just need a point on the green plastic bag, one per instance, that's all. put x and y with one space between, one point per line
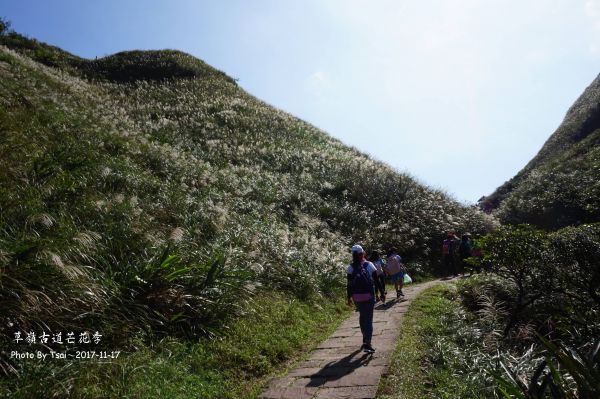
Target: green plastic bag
407 279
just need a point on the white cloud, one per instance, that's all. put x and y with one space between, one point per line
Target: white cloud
318 84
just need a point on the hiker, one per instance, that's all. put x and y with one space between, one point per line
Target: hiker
379 263
448 247
362 281
465 249
395 269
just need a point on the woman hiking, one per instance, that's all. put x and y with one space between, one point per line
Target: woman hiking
448 247
362 281
396 270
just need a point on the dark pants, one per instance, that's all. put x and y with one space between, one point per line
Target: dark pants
365 319
449 264
382 283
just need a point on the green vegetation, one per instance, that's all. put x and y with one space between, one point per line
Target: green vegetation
560 186
561 192
565 373
233 366
527 328
129 66
551 281
202 232
433 358
144 195
548 308
553 288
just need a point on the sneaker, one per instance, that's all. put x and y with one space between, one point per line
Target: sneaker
398 294
383 299
401 293
367 348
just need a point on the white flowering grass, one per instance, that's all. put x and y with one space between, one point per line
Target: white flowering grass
154 183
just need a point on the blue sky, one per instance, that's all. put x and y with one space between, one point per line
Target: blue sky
461 94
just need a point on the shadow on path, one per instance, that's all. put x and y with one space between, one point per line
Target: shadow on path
390 303
340 368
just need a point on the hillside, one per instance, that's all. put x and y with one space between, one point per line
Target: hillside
560 186
145 195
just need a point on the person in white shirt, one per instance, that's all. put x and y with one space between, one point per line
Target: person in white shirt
362 281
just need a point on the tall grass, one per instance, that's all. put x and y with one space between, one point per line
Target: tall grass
145 196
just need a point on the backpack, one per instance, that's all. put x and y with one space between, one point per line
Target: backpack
362 283
394 265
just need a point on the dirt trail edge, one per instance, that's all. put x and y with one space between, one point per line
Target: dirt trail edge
337 368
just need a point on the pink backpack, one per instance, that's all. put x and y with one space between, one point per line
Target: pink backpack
394 265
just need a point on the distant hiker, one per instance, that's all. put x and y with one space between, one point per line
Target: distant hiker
379 263
362 281
395 269
448 249
465 250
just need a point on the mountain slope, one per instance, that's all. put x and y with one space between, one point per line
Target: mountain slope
146 195
560 186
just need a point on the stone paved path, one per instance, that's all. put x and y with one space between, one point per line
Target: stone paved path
337 369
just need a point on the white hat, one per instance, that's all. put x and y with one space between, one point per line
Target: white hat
357 249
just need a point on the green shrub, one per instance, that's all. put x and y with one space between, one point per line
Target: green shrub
521 257
4 26
564 374
542 284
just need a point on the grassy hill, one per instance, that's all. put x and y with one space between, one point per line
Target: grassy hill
547 278
146 196
560 186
